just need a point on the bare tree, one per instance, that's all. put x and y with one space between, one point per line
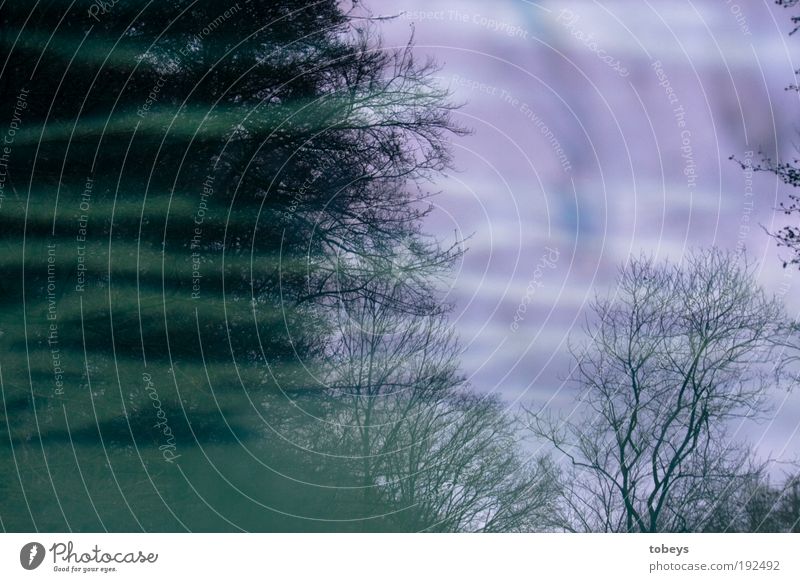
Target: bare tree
461 468
759 504
788 236
675 355
426 453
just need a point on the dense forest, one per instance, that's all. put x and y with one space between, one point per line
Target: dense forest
220 310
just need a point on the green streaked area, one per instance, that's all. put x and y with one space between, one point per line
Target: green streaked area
266 121
218 307
85 51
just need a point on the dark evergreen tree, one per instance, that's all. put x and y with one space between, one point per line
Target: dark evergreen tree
185 186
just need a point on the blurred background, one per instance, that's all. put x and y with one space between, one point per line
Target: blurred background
602 130
219 303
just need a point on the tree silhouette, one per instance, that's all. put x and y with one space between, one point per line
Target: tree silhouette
757 504
426 454
787 237
676 354
188 186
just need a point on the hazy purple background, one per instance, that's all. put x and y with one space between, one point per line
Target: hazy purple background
623 190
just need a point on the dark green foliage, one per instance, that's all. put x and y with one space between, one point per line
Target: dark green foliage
181 179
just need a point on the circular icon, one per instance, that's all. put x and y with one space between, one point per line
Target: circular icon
31 555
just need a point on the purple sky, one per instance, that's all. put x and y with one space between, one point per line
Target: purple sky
580 110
